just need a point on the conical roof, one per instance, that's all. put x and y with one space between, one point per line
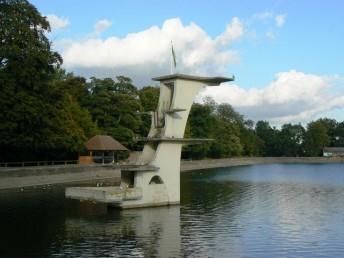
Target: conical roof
104 143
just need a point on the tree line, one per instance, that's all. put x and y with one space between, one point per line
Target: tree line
236 136
47 113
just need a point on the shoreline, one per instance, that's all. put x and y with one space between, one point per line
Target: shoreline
19 178
191 165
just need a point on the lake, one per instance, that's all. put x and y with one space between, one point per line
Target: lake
278 210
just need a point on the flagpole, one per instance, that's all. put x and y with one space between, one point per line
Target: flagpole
171 58
171 63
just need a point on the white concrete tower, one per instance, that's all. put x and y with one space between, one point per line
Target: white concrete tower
162 150
165 140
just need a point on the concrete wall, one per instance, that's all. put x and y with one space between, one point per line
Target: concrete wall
53 169
90 175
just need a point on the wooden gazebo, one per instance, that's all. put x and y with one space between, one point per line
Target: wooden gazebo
102 148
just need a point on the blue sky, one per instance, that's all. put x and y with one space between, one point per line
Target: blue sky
287 56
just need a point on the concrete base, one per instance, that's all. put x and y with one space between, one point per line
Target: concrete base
111 195
122 198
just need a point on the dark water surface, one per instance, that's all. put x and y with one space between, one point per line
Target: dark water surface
249 211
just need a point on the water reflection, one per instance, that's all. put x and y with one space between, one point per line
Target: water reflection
266 211
149 232
252 211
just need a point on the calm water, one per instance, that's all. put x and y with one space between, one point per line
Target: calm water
250 211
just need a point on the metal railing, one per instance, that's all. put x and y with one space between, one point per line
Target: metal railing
38 163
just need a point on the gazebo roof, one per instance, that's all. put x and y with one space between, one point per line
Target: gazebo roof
104 143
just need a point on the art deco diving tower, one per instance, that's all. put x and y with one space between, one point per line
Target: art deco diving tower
162 149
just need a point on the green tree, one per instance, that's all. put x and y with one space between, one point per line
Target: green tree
252 145
27 65
115 107
200 124
226 113
291 139
41 114
339 135
149 97
219 122
331 128
226 132
269 136
316 138
227 141
75 86
124 85
76 120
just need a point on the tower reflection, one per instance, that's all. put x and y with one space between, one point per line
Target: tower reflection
144 232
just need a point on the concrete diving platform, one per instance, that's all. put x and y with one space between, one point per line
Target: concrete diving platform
109 195
122 197
162 149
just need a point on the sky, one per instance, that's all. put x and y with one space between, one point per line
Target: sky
287 56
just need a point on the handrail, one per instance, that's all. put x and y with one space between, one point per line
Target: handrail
38 163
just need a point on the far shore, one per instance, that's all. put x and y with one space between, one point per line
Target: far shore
190 165
98 175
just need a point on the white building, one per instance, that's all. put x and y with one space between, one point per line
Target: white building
333 152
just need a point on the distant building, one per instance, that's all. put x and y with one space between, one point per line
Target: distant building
333 152
102 149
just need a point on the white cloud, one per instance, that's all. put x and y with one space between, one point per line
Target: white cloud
101 26
150 50
293 97
56 22
233 32
263 16
270 16
280 20
267 23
